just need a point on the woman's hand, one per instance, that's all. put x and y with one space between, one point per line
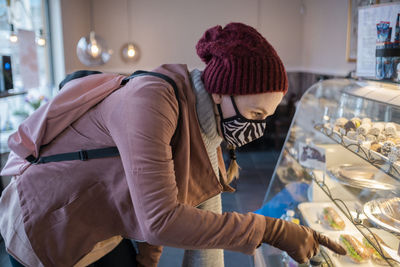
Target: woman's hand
300 242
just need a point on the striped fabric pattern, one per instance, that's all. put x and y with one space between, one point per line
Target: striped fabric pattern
239 133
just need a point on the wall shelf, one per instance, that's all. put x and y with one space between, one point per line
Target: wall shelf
7 94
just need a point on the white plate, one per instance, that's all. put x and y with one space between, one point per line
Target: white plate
380 181
312 213
339 260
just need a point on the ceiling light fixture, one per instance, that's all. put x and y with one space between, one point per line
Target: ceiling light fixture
41 40
129 51
92 50
13 35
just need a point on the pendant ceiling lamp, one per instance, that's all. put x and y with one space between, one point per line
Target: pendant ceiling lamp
13 35
129 51
92 50
41 40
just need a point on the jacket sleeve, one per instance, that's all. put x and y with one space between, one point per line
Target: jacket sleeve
148 255
142 127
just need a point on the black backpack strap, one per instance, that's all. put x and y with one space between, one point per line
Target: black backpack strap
78 155
76 75
101 152
156 74
162 76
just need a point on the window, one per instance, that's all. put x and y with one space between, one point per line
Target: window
31 80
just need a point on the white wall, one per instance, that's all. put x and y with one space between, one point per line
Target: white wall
75 24
324 37
167 31
282 24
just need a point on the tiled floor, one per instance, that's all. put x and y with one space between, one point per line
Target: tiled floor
256 170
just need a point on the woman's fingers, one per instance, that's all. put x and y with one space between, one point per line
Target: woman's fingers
329 243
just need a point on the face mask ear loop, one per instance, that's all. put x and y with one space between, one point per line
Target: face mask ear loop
238 113
221 123
235 107
220 111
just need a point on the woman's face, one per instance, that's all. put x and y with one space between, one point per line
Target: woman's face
253 107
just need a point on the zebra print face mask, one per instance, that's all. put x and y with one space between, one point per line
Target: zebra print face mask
238 130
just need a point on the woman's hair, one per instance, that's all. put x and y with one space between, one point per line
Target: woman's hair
233 169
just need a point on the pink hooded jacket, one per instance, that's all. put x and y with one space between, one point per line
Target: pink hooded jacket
148 193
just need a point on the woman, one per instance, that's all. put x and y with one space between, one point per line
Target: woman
170 163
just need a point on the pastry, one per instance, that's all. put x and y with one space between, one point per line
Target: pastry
376 147
395 140
376 128
333 219
370 137
366 121
349 126
340 122
387 147
356 121
352 135
390 130
360 138
364 129
381 138
355 249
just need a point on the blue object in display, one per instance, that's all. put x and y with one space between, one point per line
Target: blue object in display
292 195
7 66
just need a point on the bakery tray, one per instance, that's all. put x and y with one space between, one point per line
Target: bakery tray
376 159
311 213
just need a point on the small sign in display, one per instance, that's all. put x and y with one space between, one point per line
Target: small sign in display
311 156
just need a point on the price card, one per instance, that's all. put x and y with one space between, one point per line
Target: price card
311 156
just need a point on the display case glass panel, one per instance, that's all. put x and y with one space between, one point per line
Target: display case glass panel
339 171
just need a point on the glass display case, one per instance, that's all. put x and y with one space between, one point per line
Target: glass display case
348 133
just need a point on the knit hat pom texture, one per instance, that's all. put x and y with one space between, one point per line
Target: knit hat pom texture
240 61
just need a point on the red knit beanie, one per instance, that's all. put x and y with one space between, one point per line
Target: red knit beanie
240 61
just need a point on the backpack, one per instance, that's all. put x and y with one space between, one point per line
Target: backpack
80 91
